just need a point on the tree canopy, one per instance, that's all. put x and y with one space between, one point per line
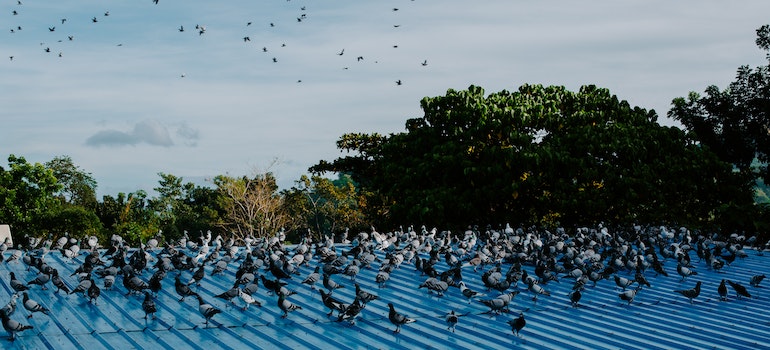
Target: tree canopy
539 155
734 123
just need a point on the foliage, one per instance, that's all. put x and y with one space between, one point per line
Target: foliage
735 122
184 207
541 155
77 221
26 193
252 205
128 215
78 186
326 205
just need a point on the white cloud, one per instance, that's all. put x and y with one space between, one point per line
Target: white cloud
148 131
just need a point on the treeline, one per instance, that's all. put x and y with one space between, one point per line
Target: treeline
59 198
540 155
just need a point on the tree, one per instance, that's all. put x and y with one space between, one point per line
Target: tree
128 215
184 206
326 205
78 186
252 205
541 155
26 193
735 122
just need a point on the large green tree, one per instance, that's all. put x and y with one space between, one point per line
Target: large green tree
184 206
539 155
26 195
78 186
325 205
735 122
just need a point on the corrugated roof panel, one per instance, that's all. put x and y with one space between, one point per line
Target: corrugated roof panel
657 319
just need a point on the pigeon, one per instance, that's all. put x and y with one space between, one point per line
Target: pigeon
684 271
230 293
332 303
17 285
536 289
93 293
517 324
623 282
12 326
364 296
33 306
756 280
248 299
273 286
451 320
134 283
182 289
434 285
351 312
574 297
467 292
207 310
41 280
739 289
148 306
628 295
82 286
197 276
330 284
381 278
10 308
313 277
496 305
690 293
286 306
398 319
722 290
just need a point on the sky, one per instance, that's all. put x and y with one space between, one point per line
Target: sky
130 96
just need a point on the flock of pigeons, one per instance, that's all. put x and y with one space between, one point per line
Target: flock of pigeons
444 260
61 25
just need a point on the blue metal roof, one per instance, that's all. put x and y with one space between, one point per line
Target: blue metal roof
657 319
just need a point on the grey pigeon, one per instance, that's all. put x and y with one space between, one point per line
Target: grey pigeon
397 318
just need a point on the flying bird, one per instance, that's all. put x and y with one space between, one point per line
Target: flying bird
397 318
424 63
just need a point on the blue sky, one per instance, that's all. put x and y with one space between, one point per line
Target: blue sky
132 96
